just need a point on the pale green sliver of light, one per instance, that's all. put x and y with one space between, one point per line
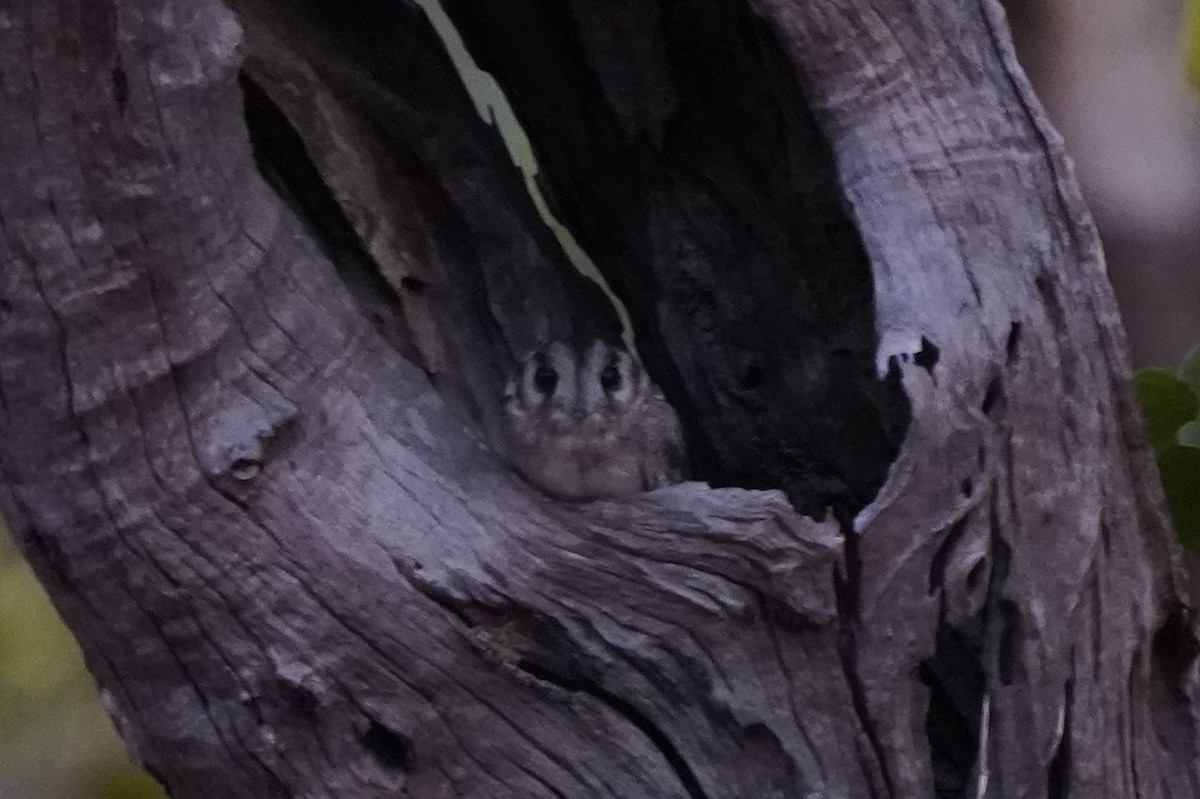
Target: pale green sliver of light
492 105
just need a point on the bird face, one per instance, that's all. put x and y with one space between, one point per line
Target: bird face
572 388
585 422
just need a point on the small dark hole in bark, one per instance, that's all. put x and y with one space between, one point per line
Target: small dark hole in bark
1042 281
245 469
967 487
1014 338
120 84
928 356
389 748
414 284
1054 309
993 394
299 700
1174 646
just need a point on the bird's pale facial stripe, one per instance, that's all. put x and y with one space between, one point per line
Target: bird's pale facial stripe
610 376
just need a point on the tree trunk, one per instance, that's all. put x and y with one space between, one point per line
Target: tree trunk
247 432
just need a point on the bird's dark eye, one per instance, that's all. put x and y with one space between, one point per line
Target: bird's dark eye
610 378
545 379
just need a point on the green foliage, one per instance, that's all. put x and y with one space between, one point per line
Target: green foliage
1191 42
1180 467
1171 403
126 782
55 740
1168 402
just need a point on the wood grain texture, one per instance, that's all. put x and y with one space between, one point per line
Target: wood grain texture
244 442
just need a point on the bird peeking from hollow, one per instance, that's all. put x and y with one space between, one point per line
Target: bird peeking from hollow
584 422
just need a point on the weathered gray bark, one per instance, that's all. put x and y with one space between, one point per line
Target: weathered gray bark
254 474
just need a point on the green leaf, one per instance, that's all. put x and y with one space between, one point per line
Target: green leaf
1189 368
1180 467
1189 434
1168 402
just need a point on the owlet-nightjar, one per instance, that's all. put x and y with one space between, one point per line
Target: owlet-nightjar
585 422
